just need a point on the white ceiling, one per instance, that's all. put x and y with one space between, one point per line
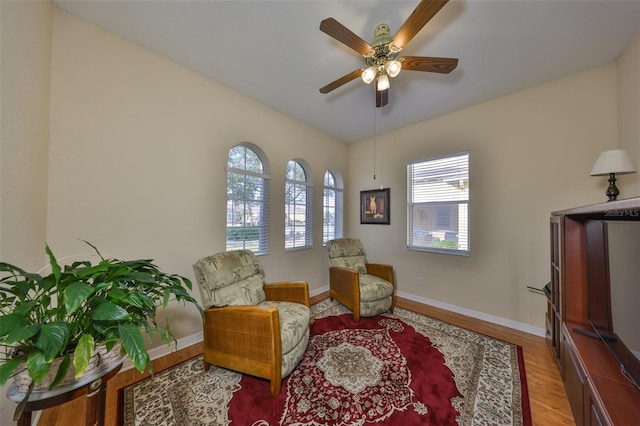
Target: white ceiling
274 52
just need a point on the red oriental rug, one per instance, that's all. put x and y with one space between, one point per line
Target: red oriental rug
394 369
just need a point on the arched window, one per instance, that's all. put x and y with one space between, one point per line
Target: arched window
298 206
332 207
247 199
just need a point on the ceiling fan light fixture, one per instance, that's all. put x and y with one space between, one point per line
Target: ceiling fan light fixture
393 68
382 82
369 74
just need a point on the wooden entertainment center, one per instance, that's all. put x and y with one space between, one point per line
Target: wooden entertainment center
598 392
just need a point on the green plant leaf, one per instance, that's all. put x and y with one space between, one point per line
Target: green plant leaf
7 368
133 299
21 334
118 294
55 268
93 271
84 350
107 311
53 339
148 301
25 307
75 294
37 365
10 322
166 296
63 368
141 277
133 344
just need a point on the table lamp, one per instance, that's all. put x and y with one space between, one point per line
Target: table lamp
610 163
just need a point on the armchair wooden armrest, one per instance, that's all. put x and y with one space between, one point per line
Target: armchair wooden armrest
288 291
241 338
381 271
344 286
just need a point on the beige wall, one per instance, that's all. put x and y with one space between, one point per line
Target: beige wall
24 138
138 154
530 153
25 67
629 113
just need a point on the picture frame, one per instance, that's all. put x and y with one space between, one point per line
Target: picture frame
374 207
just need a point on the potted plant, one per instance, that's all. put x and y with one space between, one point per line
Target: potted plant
63 316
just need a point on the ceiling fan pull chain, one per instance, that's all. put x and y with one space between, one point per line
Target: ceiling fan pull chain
374 142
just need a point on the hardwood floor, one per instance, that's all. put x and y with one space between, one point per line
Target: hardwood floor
547 397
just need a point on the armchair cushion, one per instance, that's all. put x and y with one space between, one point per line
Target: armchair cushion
374 288
294 321
230 278
347 253
294 332
375 307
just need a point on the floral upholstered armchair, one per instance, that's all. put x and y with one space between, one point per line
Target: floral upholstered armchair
251 327
367 289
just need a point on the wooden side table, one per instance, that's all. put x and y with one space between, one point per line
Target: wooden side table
93 386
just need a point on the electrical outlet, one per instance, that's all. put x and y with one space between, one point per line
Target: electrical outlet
420 281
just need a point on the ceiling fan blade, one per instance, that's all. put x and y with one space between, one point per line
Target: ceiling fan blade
418 19
344 35
429 64
342 80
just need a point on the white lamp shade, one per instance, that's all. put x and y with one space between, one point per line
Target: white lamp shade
382 83
613 161
369 74
393 68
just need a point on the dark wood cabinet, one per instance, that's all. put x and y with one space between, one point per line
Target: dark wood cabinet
554 296
598 392
574 379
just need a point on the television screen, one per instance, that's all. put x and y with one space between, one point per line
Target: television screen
613 251
624 276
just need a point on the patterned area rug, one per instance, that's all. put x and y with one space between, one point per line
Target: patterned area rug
395 369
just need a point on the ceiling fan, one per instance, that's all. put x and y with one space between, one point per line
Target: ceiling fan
382 55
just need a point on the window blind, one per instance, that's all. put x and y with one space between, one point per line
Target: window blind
298 195
247 200
332 207
438 204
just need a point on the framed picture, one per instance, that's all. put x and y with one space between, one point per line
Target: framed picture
374 207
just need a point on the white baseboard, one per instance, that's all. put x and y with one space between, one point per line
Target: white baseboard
526 328
160 351
520 326
318 291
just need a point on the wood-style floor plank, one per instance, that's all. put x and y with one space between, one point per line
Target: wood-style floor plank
547 397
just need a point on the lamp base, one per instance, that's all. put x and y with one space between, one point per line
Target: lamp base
612 191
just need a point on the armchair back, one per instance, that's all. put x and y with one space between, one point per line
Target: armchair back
347 253
230 278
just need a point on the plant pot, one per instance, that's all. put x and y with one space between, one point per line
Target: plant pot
99 360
